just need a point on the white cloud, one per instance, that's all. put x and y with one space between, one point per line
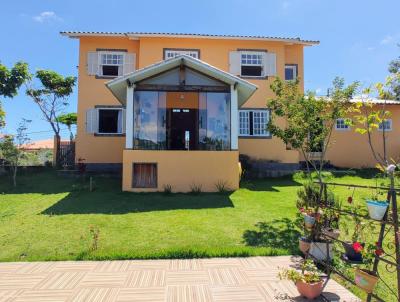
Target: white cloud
387 40
46 16
370 48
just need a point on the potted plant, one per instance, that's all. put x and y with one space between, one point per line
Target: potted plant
364 277
377 208
308 281
355 246
304 245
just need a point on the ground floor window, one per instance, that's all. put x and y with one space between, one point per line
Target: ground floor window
342 124
254 122
110 121
386 125
144 175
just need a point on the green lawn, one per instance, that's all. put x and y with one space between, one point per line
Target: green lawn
49 218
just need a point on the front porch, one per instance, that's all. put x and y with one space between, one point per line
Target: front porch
181 126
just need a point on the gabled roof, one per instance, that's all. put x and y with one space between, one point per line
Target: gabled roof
118 86
137 35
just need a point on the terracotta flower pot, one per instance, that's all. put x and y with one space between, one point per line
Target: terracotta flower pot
310 290
331 233
365 279
304 245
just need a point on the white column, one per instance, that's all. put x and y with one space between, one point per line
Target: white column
129 117
234 118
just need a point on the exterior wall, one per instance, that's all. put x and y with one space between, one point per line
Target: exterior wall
182 169
350 149
92 92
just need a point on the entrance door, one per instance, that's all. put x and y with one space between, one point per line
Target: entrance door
183 132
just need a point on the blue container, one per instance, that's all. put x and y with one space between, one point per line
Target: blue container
377 209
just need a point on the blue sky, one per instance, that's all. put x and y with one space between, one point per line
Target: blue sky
358 38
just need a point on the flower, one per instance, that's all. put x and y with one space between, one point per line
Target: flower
379 252
350 199
301 210
357 247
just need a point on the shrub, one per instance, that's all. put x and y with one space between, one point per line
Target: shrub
195 189
222 186
167 189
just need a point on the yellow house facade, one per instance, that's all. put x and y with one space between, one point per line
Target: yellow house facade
176 110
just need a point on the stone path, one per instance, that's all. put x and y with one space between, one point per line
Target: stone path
217 279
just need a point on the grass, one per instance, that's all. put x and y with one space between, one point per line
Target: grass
49 218
53 218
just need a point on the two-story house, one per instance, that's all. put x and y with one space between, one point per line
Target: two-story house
177 109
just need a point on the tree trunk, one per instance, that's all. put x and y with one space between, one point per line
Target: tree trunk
56 150
15 176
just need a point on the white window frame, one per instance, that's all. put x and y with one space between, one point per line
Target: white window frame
172 53
345 126
111 53
98 120
264 132
260 63
244 119
389 121
294 68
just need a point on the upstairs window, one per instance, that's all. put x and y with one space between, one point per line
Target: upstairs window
252 63
342 124
386 125
172 53
290 72
111 64
253 123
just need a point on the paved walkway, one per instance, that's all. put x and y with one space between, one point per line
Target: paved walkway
218 279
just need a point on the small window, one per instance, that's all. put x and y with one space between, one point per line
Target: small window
253 123
290 72
111 64
110 121
252 64
144 175
172 53
342 124
385 125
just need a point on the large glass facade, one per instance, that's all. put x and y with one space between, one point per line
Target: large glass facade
214 121
154 119
149 120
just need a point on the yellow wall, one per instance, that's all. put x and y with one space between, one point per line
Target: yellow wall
92 92
182 169
150 50
351 149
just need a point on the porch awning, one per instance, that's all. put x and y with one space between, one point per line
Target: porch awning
118 86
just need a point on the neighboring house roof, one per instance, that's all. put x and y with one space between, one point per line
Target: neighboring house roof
118 85
361 99
37 145
137 35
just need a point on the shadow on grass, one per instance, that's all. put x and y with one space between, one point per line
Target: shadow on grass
268 184
279 233
362 173
105 202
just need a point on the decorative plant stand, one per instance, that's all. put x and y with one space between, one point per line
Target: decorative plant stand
388 225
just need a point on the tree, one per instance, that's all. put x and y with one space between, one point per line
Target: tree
394 69
368 117
68 119
52 99
10 81
11 148
308 120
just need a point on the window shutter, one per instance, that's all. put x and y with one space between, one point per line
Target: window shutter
129 63
92 124
92 63
270 64
234 62
124 120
